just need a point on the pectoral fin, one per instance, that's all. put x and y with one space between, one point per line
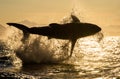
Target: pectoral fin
72 46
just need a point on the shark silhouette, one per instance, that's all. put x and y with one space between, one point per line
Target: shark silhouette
69 31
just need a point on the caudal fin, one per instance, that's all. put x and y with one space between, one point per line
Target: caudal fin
24 28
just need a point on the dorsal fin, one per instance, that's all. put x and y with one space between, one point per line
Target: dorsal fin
75 19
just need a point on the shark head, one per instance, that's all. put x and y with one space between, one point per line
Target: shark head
95 29
90 29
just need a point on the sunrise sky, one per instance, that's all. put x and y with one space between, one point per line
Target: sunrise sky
101 12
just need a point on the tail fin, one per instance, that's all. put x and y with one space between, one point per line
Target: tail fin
25 30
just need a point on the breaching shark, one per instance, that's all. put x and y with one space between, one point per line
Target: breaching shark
68 31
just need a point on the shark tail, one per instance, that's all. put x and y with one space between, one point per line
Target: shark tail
24 28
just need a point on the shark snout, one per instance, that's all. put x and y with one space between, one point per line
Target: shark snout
99 29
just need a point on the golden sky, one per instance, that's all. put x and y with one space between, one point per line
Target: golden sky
101 12
16 10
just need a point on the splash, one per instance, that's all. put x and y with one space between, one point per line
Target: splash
40 49
8 59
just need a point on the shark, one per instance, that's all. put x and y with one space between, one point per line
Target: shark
68 31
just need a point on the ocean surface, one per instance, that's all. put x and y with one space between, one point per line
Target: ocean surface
43 58
94 57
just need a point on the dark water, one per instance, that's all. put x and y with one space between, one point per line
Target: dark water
43 58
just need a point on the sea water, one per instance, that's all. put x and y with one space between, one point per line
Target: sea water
43 58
